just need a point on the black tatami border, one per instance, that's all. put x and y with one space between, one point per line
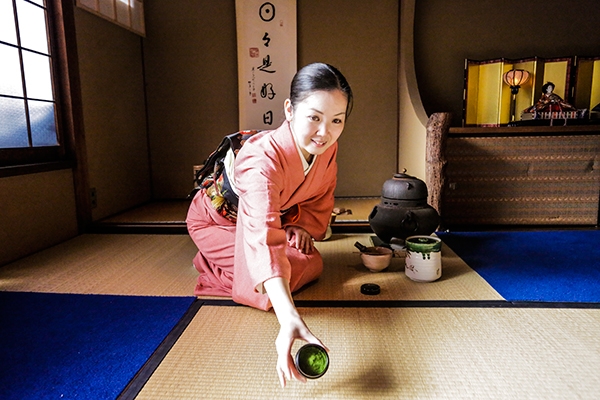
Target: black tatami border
422 304
139 380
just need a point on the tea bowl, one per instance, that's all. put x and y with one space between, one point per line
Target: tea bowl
376 258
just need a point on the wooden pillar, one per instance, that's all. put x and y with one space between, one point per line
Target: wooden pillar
437 132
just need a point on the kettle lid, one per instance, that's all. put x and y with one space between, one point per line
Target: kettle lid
404 187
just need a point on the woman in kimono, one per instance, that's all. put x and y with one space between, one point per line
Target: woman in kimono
285 180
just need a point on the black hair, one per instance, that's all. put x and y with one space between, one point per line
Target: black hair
547 85
319 76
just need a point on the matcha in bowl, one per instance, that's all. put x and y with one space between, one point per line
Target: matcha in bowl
312 361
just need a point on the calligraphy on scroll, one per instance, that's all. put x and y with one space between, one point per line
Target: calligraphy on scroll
266 44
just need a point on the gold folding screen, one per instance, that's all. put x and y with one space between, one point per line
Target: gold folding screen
487 99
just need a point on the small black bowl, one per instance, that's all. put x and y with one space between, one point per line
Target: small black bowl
312 361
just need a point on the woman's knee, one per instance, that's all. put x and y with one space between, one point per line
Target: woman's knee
305 268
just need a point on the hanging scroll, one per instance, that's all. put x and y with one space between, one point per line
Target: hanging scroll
266 45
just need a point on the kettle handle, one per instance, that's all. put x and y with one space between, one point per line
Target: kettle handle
409 219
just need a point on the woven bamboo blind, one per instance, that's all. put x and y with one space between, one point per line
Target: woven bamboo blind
522 180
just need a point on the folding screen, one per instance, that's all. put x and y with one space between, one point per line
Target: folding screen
487 99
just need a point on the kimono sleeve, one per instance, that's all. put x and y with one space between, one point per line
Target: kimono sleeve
260 183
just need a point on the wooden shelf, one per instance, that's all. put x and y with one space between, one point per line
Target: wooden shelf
526 130
527 175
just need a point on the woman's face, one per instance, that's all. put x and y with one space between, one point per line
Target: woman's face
318 121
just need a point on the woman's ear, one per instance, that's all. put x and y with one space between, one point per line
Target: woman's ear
288 109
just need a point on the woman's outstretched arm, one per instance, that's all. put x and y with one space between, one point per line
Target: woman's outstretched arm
292 327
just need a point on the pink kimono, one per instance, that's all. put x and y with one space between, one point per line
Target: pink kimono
235 259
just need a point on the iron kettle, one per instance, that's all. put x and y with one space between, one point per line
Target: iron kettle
403 210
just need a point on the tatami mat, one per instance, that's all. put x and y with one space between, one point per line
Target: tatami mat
344 273
145 265
175 211
361 207
377 353
400 353
161 265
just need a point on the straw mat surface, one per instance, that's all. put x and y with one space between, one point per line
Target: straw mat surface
175 211
161 265
381 353
344 273
144 265
361 208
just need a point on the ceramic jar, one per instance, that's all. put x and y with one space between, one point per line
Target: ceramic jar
423 261
403 210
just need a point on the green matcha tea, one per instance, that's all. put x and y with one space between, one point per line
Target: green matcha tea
312 361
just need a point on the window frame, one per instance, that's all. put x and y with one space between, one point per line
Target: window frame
17 161
71 153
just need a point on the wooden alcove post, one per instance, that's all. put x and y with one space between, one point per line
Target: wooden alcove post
437 129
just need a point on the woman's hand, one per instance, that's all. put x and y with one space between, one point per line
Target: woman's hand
292 327
299 238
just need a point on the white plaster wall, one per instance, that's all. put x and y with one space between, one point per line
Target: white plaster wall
412 116
36 211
